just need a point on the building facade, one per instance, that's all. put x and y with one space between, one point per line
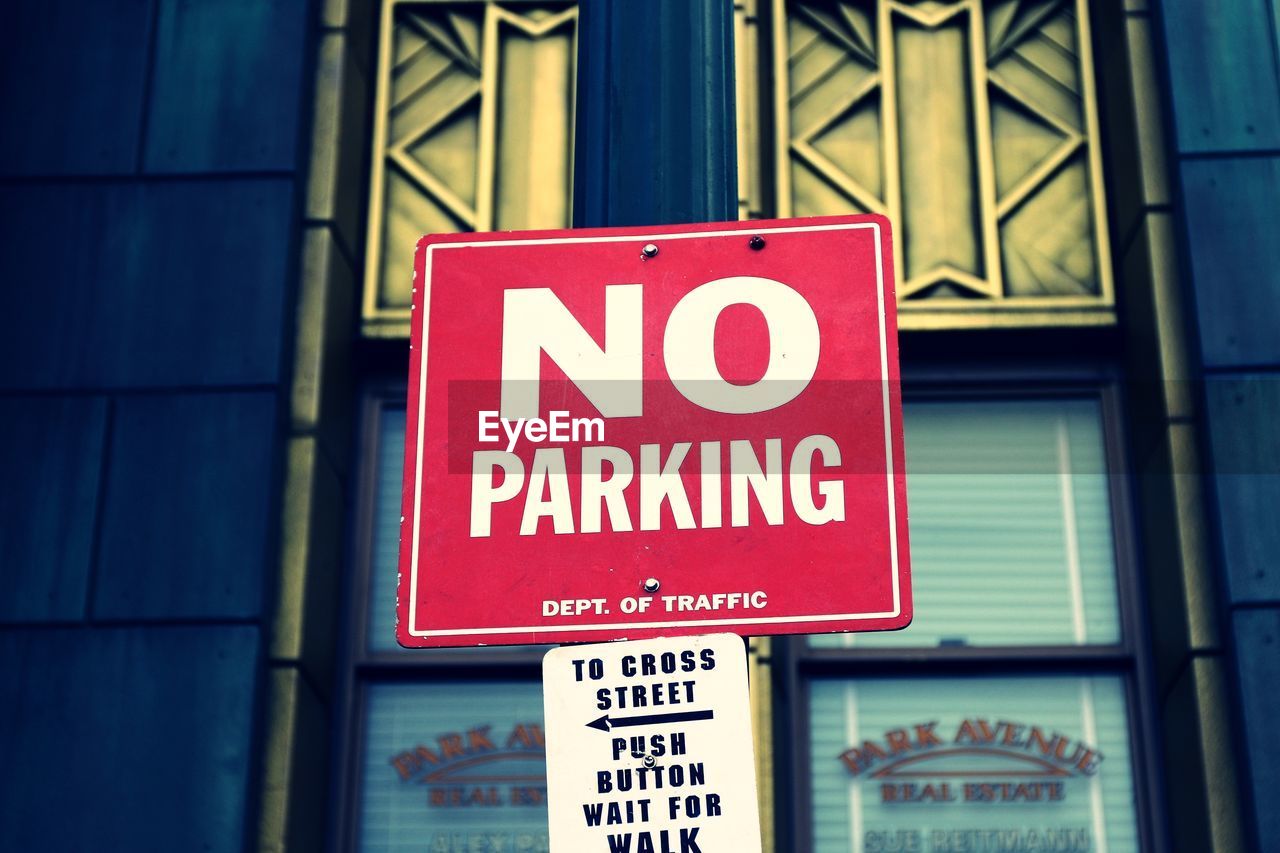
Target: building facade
202 418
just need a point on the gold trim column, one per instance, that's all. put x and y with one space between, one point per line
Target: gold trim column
1201 775
760 677
302 633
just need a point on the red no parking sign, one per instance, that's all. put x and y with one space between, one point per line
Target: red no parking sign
640 432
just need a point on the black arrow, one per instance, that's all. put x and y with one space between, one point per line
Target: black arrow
604 723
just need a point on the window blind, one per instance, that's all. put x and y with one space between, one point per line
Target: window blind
1011 534
852 814
453 768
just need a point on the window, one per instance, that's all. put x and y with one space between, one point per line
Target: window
979 764
1003 718
444 748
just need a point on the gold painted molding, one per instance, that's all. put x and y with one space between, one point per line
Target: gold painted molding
973 125
472 131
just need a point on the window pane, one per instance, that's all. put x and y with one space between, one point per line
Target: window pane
971 764
386 542
386 531
1011 537
453 767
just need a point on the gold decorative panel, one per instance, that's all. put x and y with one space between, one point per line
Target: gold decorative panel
973 125
473 131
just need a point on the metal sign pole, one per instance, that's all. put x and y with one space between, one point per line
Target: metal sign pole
655 137
655 126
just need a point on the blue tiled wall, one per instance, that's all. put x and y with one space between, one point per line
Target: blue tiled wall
133 738
1222 62
73 77
226 86
144 284
199 469
150 172
51 449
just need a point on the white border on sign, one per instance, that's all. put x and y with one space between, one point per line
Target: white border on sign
687 623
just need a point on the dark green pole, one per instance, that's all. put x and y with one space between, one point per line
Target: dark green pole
655 135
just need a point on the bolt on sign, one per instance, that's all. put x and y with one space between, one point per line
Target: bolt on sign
626 433
649 747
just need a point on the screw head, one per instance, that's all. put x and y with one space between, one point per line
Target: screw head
649 761
651 585
756 242
649 250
